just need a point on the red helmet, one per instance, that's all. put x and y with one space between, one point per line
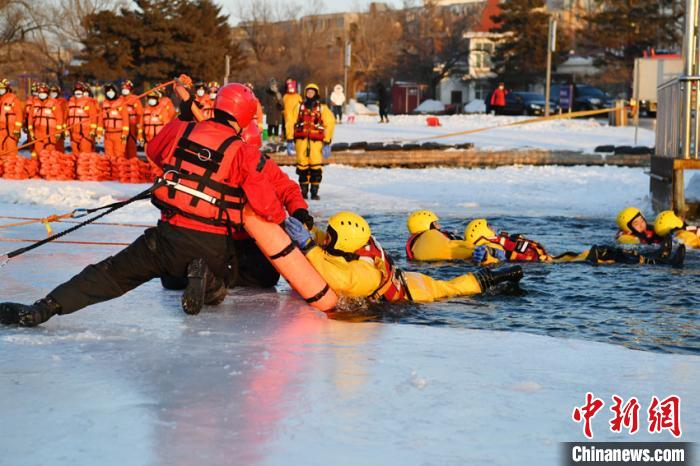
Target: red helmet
80 86
42 87
238 101
127 85
251 135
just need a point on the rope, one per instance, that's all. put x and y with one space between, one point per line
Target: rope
108 209
60 220
89 243
563 116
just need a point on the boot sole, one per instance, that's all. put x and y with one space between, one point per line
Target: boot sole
193 296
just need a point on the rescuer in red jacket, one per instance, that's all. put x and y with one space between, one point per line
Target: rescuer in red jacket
211 174
498 98
253 268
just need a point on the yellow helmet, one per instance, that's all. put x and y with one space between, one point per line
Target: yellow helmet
478 232
4 83
420 221
347 232
667 222
625 218
312 86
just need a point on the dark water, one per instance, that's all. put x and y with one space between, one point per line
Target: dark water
651 308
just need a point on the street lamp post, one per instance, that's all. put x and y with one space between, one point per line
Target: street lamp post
551 47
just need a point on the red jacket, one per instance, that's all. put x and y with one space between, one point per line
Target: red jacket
498 98
246 173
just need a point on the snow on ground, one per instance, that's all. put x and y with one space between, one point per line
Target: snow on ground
264 379
576 135
552 190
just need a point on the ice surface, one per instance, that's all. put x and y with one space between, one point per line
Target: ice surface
576 135
264 379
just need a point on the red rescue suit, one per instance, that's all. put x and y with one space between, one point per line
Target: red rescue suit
10 123
81 122
520 249
212 174
114 124
309 123
155 118
46 124
135 111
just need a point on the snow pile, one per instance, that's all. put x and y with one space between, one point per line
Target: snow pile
430 106
58 194
475 106
356 108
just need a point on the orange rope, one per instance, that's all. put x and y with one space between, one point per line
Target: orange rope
89 243
36 220
29 220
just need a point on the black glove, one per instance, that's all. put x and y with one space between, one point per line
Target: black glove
186 109
304 217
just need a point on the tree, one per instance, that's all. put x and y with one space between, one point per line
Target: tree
620 31
521 57
374 50
433 45
158 40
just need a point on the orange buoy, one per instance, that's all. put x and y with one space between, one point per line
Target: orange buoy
289 261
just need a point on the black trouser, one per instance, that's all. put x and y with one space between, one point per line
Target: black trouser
383 114
253 269
338 112
160 251
273 129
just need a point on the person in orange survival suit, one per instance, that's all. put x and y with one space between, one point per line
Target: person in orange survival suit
204 101
135 111
81 121
212 89
113 123
45 124
211 175
55 93
156 114
11 117
253 267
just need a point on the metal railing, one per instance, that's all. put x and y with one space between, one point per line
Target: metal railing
677 118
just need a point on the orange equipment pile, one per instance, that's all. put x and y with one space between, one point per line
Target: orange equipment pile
131 171
20 168
56 166
93 167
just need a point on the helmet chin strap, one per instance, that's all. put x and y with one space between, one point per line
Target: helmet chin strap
330 246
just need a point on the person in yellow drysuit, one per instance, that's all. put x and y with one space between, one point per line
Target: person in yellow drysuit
491 248
668 224
309 127
429 242
353 264
634 228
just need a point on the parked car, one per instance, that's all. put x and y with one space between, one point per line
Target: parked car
586 97
526 103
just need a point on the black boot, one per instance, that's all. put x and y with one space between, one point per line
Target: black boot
314 192
29 316
488 278
304 190
664 256
199 281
